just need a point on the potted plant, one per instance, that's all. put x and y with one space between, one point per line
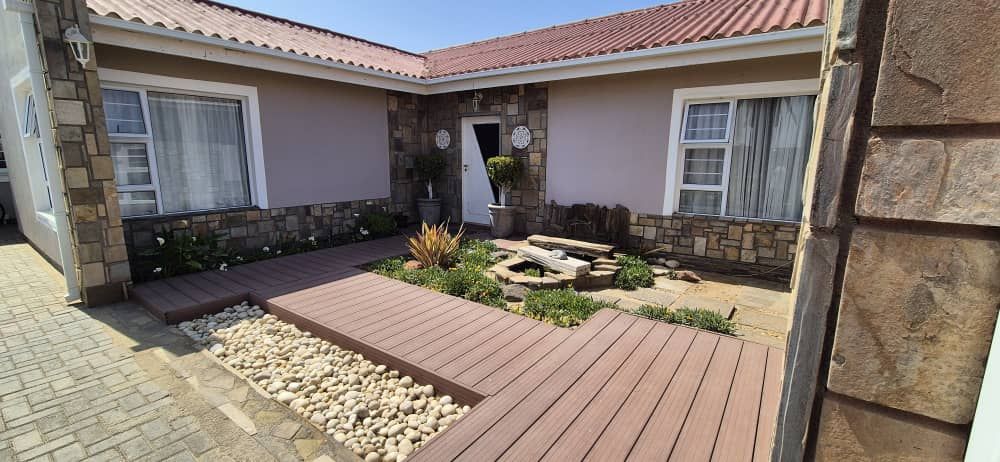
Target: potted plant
430 168
504 171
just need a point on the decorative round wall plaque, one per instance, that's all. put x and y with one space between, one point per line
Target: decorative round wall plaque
520 137
443 139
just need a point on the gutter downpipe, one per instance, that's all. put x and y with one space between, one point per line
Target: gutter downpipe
26 19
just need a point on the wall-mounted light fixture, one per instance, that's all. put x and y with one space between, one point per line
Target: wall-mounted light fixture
476 98
79 43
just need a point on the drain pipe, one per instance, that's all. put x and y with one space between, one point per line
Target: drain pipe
26 19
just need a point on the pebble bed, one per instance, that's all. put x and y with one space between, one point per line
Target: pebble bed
368 407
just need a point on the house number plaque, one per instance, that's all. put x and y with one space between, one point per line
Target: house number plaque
520 137
443 139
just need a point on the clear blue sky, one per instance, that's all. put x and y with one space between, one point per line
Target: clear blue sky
422 25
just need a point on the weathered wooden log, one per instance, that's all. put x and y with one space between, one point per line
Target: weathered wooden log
570 265
571 245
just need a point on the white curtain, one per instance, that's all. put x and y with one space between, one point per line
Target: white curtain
200 152
770 148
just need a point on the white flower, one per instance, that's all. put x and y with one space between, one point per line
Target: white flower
278 252
157 269
239 258
266 249
312 238
223 267
161 241
364 232
194 238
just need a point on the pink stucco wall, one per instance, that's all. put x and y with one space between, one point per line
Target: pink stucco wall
607 136
323 141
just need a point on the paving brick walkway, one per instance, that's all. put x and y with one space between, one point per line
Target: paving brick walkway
114 384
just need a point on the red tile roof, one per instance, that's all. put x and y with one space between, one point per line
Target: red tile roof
676 23
659 26
227 22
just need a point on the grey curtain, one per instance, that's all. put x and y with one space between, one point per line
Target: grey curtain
770 150
200 152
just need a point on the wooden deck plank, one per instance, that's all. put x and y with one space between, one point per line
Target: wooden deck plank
770 397
500 329
424 334
342 284
216 277
661 431
599 388
590 424
418 351
739 423
700 428
316 300
503 376
429 321
569 387
490 347
507 353
637 408
415 308
305 284
374 309
590 340
340 309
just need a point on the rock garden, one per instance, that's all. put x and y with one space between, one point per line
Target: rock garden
559 281
368 407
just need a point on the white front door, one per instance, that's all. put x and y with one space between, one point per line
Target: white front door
480 141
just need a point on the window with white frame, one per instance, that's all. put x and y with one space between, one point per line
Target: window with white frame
745 157
176 152
41 192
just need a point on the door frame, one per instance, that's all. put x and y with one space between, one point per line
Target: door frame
468 134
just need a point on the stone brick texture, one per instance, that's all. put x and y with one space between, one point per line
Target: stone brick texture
414 120
916 318
85 155
915 212
736 240
251 229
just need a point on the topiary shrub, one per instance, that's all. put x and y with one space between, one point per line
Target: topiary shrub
562 307
634 273
430 167
504 171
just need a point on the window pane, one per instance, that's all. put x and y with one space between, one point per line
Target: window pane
123 112
771 138
135 203
30 123
131 163
704 165
200 152
703 202
706 122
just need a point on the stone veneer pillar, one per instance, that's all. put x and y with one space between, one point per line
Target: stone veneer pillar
899 249
81 140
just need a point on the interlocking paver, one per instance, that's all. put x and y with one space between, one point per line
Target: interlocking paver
107 384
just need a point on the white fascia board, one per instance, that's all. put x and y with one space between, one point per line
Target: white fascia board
157 39
797 41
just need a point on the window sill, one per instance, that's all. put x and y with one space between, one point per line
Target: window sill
46 218
183 215
738 219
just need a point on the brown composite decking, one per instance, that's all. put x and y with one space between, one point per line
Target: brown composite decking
617 388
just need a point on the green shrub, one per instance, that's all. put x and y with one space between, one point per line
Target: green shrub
175 255
656 312
533 272
703 319
375 225
562 307
387 266
634 273
504 171
692 317
476 253
466 282
430 167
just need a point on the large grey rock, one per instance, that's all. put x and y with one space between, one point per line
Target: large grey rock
950 180
515 292
916 318
942 71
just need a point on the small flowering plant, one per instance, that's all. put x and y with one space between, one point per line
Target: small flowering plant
174 255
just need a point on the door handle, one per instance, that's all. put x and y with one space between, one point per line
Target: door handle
465 167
